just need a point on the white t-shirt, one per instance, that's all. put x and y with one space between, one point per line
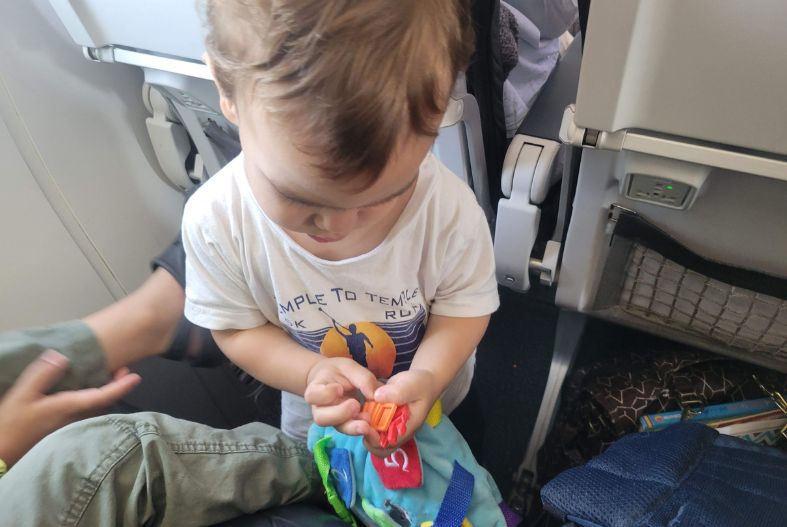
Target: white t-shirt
243 270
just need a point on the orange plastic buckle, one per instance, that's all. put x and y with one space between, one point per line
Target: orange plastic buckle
381 414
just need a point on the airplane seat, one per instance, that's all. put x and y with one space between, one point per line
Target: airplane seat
676 224
534 164
191 138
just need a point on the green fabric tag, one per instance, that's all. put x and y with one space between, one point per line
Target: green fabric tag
324 468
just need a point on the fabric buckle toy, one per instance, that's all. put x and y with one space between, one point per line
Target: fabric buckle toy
433 480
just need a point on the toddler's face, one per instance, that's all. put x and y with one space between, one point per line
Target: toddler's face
295 196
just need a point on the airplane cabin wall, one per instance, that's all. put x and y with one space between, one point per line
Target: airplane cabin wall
82 207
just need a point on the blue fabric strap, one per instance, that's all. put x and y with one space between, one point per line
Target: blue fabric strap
456 501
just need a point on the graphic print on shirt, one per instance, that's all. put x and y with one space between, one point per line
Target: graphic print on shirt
385 348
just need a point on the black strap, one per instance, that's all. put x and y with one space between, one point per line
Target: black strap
584 12
485 82
633 227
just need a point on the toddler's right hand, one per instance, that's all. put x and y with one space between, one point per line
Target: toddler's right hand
331 386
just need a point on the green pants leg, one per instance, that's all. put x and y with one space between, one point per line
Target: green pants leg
152 469
139 469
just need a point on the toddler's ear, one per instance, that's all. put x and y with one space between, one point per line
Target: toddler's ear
228 108
226 104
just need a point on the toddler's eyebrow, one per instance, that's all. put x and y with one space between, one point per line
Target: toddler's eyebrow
309 203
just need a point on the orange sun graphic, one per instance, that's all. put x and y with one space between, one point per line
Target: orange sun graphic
379 358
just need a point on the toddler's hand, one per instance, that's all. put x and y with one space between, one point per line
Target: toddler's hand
414 388
331 387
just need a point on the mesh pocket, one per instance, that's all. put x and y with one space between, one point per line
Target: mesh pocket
652 282
664 292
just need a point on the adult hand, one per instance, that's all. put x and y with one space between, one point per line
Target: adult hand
28 413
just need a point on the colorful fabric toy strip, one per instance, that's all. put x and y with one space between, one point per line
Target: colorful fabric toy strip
402 469
388 419
322 460
456 502
396 428
425 481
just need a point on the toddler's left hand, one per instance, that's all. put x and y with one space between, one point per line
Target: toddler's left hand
414 388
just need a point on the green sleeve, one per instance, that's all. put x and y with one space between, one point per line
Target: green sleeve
73 339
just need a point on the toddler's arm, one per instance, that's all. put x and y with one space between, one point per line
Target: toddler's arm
459 312
328 384
447 345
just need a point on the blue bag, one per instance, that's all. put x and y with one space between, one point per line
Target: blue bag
686 475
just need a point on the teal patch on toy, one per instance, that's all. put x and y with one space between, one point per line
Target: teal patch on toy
452 481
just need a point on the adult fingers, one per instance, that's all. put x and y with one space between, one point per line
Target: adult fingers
120 373
90 400
41 375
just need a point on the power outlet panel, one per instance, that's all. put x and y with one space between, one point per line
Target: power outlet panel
659 191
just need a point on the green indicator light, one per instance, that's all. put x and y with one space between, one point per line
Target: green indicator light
668 187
